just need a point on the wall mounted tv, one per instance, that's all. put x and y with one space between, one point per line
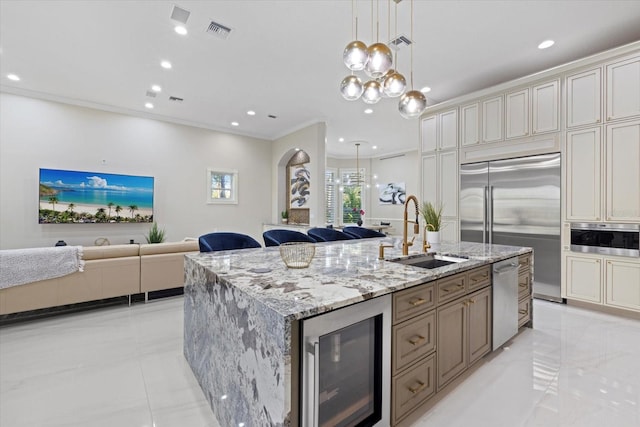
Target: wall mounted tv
76 197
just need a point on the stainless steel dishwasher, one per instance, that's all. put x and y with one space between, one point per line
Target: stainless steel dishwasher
505 301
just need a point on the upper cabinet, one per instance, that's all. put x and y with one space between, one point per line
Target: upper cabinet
492 112
544 107
623 89
440 131
470 124
583 99
517 107
622 172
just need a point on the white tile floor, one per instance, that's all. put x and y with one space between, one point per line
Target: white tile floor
123 366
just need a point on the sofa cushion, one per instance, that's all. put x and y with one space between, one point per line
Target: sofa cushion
167 248
111 251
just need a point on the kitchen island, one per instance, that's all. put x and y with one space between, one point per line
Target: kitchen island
243 311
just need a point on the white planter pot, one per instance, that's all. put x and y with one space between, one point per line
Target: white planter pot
433 237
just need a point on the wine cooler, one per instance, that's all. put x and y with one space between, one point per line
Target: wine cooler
346 366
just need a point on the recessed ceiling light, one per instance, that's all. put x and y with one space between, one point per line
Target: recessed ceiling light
545 44
375 147
235 124
425 89
148 105
13 77
368 111
165 64
180 30
156 88
340 139
251 113
297 149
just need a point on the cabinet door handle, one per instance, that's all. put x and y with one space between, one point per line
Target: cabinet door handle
598 121
454 288
417 388
472 301
416 340
523 311
523 285
417 301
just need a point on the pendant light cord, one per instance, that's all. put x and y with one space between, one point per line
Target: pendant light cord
411 44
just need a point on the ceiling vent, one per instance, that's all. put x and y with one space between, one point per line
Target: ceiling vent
151 94
271 116
400 42
175 98
179 14
218 30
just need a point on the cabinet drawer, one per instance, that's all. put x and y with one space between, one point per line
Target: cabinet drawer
451 287
524 311
479 278
413 340
524 285
411 388
413 302
524 262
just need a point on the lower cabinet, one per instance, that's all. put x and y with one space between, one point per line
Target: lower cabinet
464 334
439 329
525 291
605 280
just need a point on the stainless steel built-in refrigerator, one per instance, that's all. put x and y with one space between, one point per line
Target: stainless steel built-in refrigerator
516 202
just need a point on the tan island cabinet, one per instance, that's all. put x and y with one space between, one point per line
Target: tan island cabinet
439 329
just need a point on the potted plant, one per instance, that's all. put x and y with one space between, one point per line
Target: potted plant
156 235
285 216
433 221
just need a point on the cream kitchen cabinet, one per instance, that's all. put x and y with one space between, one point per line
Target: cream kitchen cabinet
603 177
545 107
623 172
440 131
492 114
470 124
583 175
584 98
517 114
440 181
583 275
622 284
623 89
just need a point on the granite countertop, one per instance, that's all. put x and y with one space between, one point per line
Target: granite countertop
341 273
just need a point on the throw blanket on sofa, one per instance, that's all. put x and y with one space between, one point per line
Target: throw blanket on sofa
20 266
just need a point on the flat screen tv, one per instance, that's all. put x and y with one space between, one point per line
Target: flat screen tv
77 197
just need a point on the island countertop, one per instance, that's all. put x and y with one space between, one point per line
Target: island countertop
340 274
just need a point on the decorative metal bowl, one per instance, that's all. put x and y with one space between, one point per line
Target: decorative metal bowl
297 254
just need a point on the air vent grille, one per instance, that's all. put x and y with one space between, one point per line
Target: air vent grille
179 14
400 42
175 98
271 116
218 30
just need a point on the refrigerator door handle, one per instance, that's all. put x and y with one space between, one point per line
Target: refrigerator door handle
485 216
490 216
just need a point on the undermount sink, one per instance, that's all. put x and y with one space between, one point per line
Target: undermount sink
428 260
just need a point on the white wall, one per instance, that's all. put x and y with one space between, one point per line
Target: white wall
398 168
36 133
311 139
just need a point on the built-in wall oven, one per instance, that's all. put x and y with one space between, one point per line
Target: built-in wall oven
606 239
346 366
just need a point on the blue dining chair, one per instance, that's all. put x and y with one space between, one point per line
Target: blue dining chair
224 241
277 237
327 234
362 233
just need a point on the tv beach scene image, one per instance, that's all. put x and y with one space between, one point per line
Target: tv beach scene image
78 197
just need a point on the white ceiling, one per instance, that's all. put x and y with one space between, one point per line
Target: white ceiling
285 57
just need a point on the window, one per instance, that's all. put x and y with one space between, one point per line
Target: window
330 192
352 195
222 186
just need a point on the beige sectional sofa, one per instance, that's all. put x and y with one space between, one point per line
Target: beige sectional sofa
109 271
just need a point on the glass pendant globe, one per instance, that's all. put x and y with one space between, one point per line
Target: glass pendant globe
351 88
380 60
355 55
412 104
372 92
394 85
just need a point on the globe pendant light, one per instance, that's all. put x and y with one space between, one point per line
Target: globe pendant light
351 88
412 104
355 55
394 84
372 92
380 60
